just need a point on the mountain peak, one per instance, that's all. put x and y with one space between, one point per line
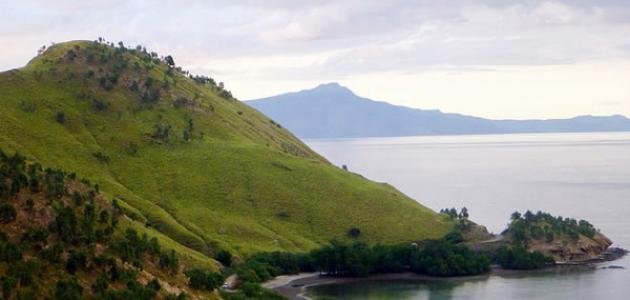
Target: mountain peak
332 88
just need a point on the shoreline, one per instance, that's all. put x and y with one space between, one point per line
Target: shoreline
294 287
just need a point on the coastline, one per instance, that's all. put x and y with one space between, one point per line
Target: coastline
294 287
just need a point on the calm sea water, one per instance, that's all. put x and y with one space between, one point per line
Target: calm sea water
585 175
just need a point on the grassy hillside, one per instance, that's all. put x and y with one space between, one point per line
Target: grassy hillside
185 158
60 239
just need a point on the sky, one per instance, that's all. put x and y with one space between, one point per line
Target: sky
488 58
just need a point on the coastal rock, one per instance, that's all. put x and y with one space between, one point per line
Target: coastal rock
615 267
582 249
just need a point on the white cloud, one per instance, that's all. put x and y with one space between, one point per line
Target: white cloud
286 43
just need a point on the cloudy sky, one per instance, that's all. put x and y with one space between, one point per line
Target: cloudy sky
490 58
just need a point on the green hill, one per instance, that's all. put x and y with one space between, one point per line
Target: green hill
186 159
60 239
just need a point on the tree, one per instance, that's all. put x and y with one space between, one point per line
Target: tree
529 216
354 232
68 290
463 214
169 61
188 131
8 284
224 257
7 213
515 216
60 117
208 280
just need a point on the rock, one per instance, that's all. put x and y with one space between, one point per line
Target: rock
614 267
581 250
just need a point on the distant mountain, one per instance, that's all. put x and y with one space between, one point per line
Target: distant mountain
333 111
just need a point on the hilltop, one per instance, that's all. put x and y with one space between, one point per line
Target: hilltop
333 111
187 160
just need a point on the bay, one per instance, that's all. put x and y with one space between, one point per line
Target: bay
578 175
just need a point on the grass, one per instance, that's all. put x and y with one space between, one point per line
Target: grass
241 183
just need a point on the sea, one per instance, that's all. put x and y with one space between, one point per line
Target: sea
577 175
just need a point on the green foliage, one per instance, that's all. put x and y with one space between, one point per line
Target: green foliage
68 290
441 258
188 131
437 258
224 257
36 237
132 247
76 260
169 261
60 117
204 280
519 258
169 61
454 237
9 252
8 284
7 213
102 157
354 232
543 226
101 284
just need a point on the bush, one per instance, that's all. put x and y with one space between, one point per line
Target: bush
35 236
519 258
168 260
540 225
442 258
68 290
204 280
224 257
76 260
9 252
354 232
7 213
60 117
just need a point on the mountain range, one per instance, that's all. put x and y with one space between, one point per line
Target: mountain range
333 111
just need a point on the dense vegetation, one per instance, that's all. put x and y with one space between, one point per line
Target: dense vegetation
189 161
436 258
543 226
519 258
60 239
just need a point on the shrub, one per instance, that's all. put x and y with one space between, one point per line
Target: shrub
519 258
76 260
9 252
168 260
224 257
204 280
7 213
354 232
68 290
60 117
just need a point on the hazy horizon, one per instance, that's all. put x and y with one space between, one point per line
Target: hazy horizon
436 109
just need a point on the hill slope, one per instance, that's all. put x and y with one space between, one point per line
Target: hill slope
60 239
186 158
333 111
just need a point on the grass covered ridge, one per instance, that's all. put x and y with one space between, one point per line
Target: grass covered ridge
188 160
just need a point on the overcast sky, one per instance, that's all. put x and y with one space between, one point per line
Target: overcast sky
497 59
